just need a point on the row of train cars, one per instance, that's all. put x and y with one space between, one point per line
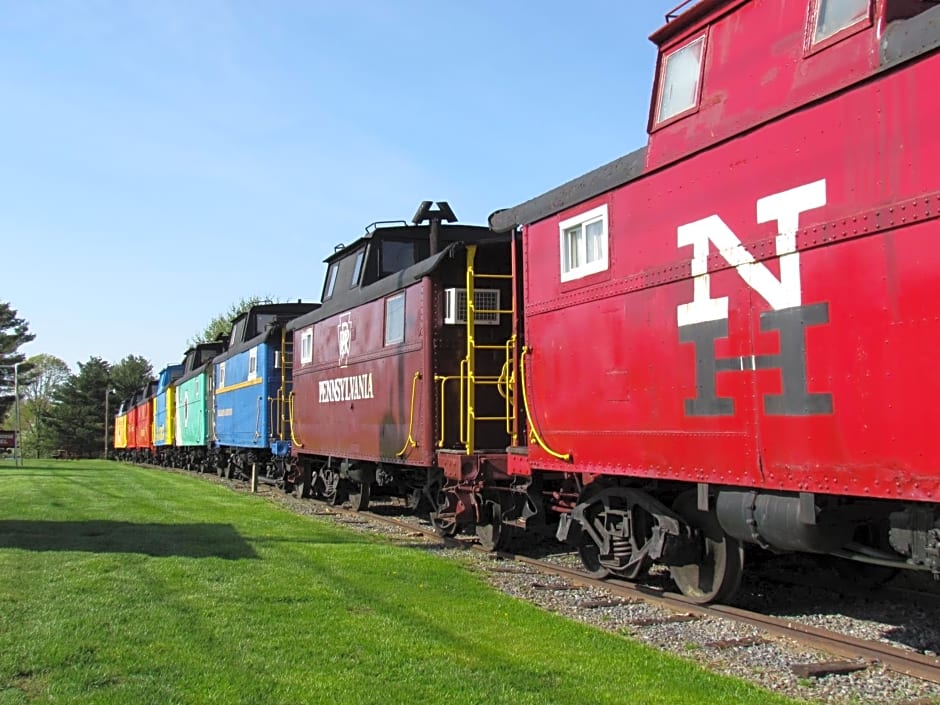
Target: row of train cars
725 338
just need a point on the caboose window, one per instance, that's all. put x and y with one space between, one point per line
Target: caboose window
395 319
253 363
832 16
357 268
306 347
679 86
330 281
397 255
584 246
221 375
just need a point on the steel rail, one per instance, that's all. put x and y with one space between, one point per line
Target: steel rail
893 658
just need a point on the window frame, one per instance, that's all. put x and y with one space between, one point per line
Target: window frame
659 122
358 266
253 364
222 375
400 337
582 220
329 287
812 45
306 346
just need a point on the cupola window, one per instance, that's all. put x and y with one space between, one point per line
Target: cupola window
832 16
682 75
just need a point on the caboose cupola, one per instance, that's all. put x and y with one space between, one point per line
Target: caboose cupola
727 66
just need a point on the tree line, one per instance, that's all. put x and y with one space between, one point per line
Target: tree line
62 411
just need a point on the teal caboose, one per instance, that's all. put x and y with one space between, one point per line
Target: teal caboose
194 398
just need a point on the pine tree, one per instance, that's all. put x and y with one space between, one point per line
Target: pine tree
14 332
129 375
76 420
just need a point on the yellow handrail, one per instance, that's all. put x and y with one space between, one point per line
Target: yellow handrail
471 351
411 417
533 432
290 411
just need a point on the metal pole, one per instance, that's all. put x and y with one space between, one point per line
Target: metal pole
107 393
17 460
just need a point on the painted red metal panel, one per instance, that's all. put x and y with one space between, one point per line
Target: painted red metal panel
782 70
866 292
132 428
356 401
145 424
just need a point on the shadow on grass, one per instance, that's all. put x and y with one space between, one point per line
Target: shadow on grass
186 540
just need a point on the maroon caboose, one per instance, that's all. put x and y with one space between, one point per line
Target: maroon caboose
729 335
402 377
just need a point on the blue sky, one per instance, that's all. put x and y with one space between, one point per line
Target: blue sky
162 160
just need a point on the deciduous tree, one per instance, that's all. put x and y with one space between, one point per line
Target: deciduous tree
221 325
46 374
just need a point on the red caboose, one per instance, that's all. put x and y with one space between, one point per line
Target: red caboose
140 425
729 333
392 389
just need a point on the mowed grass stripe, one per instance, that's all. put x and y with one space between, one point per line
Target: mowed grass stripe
125 585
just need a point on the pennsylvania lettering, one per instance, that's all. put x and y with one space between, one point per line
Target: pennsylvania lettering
346 388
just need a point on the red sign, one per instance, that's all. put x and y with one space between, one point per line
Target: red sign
7 439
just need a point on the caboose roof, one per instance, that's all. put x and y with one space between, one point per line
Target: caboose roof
679 25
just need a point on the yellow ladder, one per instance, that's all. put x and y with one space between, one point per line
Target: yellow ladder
469 379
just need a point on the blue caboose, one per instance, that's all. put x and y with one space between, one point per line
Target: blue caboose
252 382
164 413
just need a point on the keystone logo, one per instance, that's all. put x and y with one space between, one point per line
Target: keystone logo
344 331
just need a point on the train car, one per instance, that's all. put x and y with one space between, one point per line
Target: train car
252 382
140 425
393 390
194 397
164 414
120 429
727 333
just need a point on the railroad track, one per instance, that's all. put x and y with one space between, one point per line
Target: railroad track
858 653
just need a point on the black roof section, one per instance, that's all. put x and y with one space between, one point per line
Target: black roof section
260 323
197 359
374 283
610 176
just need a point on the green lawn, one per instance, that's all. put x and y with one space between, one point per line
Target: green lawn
129 586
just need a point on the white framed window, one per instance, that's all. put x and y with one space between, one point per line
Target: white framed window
832 16
679 84
306 347
583 241
253 363
395 319
221 375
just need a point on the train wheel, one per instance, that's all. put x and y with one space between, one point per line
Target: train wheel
302 485
493 534
359 494
443 525
442 515
329 486
621 529
717 575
